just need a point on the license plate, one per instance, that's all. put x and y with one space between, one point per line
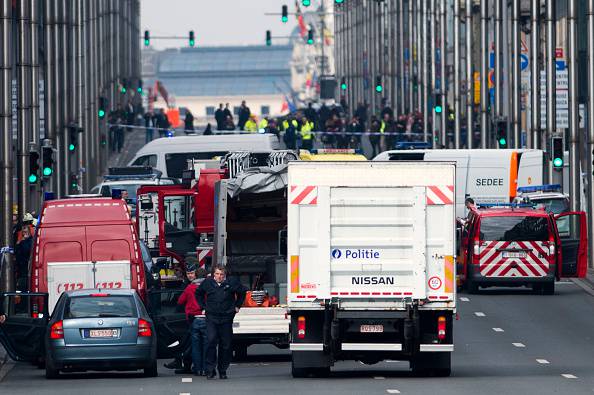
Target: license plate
103 333
372 328
509 254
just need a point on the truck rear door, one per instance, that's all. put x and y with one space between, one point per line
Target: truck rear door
573 237
23 332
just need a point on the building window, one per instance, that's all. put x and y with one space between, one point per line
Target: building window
236 110
210 110
265 110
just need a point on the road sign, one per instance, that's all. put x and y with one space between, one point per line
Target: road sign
523 62
562 99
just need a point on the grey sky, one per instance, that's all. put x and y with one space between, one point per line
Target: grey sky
215 22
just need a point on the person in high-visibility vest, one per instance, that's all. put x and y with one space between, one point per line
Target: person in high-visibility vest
251 126
307 136
290 138
263 125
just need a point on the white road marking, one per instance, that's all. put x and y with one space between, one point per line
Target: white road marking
392 391
543 361
480 314
498 330
184 393
379 378
186 380
463 299
569 376
519 345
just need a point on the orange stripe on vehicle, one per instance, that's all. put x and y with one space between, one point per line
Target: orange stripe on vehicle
449 273
513 176
294 274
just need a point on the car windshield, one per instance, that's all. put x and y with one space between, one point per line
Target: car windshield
514 228
100 306
556 206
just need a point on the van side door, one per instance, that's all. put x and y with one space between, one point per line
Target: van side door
23 332
573 237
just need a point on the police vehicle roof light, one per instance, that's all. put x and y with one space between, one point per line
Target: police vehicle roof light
48 196
540 188
505 205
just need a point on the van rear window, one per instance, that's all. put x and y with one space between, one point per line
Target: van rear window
515 228
100 306
177 163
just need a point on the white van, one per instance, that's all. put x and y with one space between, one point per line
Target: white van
487 176
170 155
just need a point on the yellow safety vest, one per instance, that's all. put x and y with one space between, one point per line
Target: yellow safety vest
250 126
306 129
263 124
382 127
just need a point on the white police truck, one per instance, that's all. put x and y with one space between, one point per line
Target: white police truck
371 273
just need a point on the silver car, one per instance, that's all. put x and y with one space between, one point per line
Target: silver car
96 329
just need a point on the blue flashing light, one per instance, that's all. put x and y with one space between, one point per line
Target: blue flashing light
48 196
412 145
505 205
169 133
541 188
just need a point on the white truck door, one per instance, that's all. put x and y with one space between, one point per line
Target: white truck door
378 242
112 275
67 276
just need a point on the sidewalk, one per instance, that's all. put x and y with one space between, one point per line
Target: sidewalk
586 283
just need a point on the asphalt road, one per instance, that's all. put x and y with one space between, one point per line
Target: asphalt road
507 341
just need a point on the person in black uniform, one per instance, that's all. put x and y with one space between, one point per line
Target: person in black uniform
221 299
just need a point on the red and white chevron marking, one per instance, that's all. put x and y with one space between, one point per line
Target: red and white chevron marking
203 253
440 195
303 195
534 264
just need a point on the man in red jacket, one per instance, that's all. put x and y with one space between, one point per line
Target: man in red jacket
194 356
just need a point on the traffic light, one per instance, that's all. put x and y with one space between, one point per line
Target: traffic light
48 161
139 89
147 38
73 132
310 36
73 182
501 129
102 110
306 3
557 152
192 38
285 14
103 139
339 1
124 86
438 107
33 167
343 84
268 38
378 84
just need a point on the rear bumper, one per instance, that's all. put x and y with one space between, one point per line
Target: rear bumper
475 276
103 357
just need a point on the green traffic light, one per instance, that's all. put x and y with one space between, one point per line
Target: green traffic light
306 3
438 109
123 90
339 1
32 178
343 87
147 43
71 147
139 90
558 162
309 41
285 19
502 141
101 113
191 43
379 88
47 171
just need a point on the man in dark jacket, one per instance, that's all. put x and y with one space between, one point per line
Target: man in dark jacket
244 115
221 299
220 117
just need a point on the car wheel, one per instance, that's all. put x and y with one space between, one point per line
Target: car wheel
548 288
50 371
151 369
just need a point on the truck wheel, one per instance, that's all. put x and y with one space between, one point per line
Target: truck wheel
548 288
471 287
298 373
432 364
50 371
